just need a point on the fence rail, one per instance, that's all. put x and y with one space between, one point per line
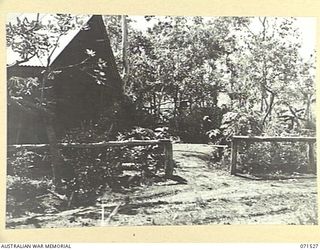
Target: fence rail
274 138
236 139
168 165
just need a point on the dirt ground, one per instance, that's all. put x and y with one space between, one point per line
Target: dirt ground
212 196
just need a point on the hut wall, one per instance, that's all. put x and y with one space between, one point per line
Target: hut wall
77 95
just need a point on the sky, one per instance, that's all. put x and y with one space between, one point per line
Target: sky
307 26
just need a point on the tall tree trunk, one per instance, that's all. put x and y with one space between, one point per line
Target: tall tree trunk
308 114
19 128
264 70
269 110
125 73
54 150
160 98
56 158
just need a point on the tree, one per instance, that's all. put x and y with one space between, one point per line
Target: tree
125 74
268 62
38 38
180 65
176 62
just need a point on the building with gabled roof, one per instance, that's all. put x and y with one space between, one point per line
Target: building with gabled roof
79 93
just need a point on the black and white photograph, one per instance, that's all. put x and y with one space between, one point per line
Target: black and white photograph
146 120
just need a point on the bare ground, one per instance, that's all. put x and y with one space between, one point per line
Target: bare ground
212 196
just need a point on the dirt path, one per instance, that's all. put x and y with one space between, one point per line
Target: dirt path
212 196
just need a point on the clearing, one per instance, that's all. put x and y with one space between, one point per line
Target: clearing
212 196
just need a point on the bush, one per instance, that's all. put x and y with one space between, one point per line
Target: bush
262 158
94 168
241 123
22 193
118 167
147 158
273 158
26 163
193 127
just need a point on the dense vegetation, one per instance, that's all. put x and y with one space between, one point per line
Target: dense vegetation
201 80
208 79
194 74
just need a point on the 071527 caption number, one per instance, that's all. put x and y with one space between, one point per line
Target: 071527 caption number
309 246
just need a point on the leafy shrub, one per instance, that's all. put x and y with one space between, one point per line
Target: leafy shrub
273 158
94 168
193 127
22 87
22 193
116 166
240 123
26 163
24 188
261 158
235 123
147 158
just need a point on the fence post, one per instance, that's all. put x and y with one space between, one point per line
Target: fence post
168 154
312 166
234 148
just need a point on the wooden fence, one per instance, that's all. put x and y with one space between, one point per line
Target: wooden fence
237 139
167 145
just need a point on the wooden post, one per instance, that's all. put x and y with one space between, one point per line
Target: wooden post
234 147
168 154
312 166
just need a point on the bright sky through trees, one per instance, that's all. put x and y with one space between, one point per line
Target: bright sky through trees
305 25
